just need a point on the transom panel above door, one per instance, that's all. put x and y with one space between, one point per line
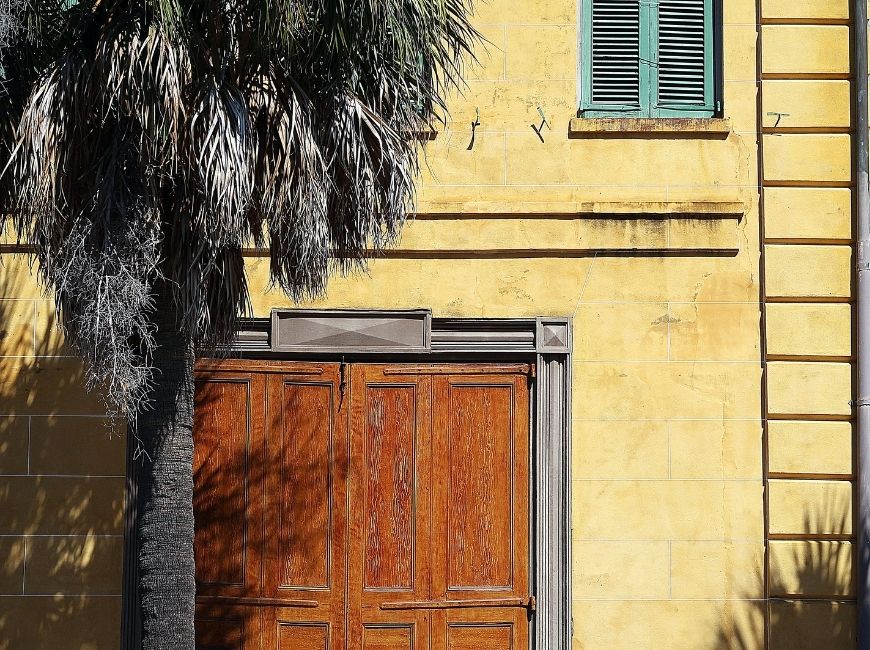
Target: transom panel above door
363 506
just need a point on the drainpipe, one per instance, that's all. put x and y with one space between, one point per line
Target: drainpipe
859 11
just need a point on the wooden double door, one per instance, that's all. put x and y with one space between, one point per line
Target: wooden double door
362 506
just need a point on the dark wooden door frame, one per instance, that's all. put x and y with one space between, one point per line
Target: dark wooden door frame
546 341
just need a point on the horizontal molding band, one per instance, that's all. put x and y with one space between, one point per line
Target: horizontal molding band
810 358
805 417
598 210
807 76
809 184
511 253
809 599
813 599
810 537
490 253
806 241
805 476
17 249
819 22
807 130
815 300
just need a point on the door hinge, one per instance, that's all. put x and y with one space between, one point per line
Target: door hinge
533 604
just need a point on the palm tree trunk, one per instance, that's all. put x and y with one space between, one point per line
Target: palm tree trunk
165 490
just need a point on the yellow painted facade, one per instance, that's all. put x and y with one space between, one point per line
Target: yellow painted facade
709 276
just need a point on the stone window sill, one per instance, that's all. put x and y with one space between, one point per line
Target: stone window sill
644 127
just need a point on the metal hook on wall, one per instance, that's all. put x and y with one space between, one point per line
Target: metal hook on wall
778 116
474 126
544 122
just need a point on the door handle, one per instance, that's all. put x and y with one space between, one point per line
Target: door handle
528 603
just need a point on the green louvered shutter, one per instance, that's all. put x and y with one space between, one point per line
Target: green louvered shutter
612 56
683 75
647 58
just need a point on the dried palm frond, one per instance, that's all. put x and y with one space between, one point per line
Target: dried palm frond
151 140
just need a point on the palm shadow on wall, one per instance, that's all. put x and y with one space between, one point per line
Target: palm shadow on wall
61 484
811 603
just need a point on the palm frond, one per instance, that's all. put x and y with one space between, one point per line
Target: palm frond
152 140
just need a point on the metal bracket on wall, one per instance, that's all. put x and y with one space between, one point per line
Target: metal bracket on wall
778 116
474 125
544 122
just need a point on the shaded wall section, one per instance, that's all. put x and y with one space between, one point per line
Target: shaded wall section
61 485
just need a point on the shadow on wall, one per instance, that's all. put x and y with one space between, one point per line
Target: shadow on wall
61 483
38 372
811 604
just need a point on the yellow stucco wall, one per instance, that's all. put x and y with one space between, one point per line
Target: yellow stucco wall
652 245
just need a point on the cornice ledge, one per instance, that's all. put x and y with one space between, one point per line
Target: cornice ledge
500 209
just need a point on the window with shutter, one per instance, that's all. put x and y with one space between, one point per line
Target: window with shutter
647 58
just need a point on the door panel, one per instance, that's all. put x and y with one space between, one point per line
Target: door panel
228 436
389 480
389 547
220 634
304 460
388 637
474 636
479 491
379 507
301 636
227 628
472 628
481 505
306 506
481 510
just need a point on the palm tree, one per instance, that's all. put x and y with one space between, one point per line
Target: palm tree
151 140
